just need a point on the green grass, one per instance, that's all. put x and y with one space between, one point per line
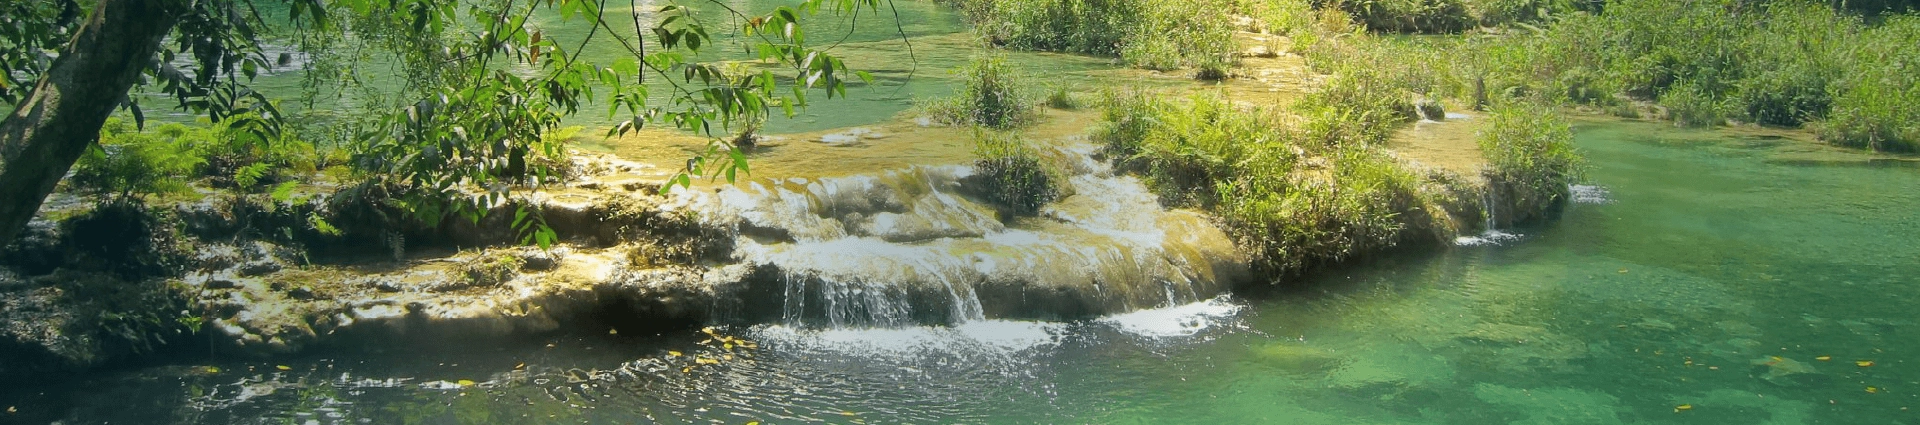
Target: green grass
1018 179
993 94
1290 198
1146 34
1530 158
1787 63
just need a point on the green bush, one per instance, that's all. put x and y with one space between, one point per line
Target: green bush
1530 157
993 95
127 164
1146 34
1690 106
1409 16
1877 104
1017 178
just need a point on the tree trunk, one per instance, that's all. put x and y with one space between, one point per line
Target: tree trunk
62 116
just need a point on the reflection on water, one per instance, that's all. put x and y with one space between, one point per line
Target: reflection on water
1702 278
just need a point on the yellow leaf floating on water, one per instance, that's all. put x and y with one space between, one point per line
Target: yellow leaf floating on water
753 423
1871 390
1864 363
1823 358
211 369
673 353
283 367
704 360
1682 408
465 382
520 366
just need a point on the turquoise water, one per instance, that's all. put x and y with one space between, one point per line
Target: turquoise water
910 58
1702 279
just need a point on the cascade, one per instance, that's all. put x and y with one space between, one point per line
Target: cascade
921 246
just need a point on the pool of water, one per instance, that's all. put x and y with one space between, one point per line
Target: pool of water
1703 278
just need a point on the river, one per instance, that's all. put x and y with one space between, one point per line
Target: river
1702 277
1705 277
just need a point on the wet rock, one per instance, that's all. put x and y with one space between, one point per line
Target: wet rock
539 260
1788 372
37 250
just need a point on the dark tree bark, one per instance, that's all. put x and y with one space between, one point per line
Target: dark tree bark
53 126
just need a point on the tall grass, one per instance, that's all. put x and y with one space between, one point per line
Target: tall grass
1530 157
1780 63
992 94
1292 200
1018 180
1146 34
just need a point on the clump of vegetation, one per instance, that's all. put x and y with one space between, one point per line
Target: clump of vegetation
127 165
491 268
1016 177
1294 198
994 95
1530 157
1060 96
1781 63
1146 34
1877 105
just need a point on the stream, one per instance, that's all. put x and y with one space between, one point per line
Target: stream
1704 277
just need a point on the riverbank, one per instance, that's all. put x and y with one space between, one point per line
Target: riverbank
928 245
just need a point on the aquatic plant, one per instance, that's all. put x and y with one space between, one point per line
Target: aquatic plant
1292 195
992 94
128 165
1530 157
1145 34
1017 178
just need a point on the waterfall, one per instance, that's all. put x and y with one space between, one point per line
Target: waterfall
1491 234
920 246
1487 205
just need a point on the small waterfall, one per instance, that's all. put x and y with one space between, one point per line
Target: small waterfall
794 301
1491 234
1487 205
919 246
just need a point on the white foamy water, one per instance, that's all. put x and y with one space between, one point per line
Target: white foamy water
1175 321
979 336
1490 237
1589 194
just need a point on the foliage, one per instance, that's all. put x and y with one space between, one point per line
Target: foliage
1781 63
1287 196
1530 155
1408 16
1875 105
131 164
993 95
491 268
1017 178
1146 34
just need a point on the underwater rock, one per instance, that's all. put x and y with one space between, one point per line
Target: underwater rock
1788 372
1553 406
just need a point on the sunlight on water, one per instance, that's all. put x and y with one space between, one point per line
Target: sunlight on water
1697 280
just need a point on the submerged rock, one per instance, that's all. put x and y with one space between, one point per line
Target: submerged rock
1788 372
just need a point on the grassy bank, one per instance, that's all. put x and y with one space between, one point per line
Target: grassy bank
1153 35
1790 63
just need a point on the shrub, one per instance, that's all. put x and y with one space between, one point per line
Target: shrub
1146 34
1689 106
992 95
1409 16
129 164
1530 157
1877 104
1017 179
